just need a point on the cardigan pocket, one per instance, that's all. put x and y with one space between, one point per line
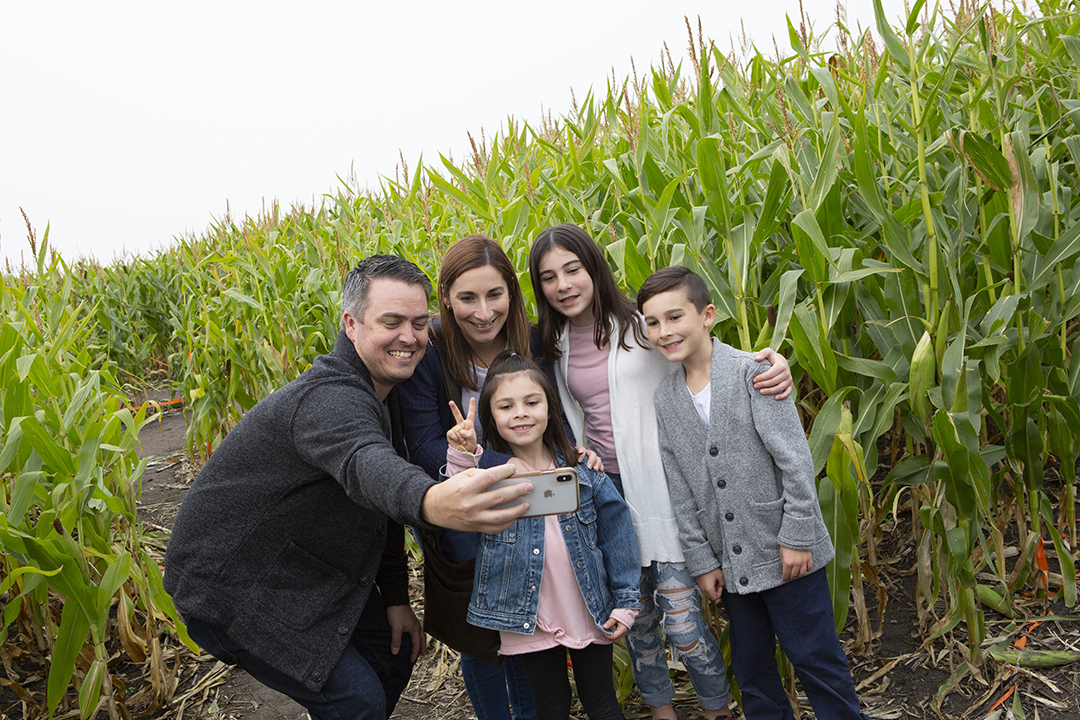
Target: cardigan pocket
298 586
768 517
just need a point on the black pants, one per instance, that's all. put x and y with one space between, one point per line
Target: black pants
592 673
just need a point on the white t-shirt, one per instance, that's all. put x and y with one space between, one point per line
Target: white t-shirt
702 401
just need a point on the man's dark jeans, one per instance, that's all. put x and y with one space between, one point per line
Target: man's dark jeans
365 684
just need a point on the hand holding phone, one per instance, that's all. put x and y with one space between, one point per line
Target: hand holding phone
555 492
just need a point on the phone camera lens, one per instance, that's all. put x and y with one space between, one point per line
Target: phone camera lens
564 478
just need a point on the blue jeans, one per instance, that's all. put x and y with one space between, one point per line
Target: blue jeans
670 594
364 685
496 689
799 614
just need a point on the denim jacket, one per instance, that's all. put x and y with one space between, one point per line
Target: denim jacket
600 541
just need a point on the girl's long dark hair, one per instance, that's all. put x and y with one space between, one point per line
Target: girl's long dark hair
610 305
467 254
509 363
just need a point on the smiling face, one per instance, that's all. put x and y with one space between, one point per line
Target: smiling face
567 285
391 336
519 409
480 302
678 329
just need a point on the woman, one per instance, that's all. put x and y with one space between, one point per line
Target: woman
481 313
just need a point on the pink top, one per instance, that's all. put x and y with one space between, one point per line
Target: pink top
562 618
586 376
459 460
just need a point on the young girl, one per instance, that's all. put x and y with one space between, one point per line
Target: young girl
551 584
606 374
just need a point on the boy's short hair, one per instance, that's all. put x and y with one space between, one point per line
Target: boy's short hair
676 277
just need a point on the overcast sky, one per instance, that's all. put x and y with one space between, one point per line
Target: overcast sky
126 124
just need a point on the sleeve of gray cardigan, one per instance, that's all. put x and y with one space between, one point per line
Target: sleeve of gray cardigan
778 426
339 428
697 551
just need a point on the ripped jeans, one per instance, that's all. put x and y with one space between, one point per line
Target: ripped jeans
669 591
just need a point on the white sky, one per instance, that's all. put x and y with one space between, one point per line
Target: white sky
126 124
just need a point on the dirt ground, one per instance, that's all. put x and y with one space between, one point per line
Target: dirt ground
897 675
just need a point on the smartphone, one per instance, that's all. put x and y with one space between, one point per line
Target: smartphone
555 492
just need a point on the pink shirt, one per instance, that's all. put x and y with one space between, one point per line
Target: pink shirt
586 376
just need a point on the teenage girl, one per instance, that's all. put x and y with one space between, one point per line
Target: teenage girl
556 584
606 374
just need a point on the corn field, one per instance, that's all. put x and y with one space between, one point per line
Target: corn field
900 218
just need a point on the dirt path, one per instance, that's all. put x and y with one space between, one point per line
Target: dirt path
896 677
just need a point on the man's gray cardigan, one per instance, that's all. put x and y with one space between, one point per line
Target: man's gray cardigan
743 485
281 537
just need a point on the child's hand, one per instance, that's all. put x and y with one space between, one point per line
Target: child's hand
796 562
712 584
594 462
777 379
615 629
463 435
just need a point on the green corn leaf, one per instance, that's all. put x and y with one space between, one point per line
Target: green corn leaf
11 444
814 254
1024 192
241 297
987 160
827 168
1072 45
70 638
57 458
868 368
1067 245
896 49
789 284
1065 559
913 17
634 268
719 289
90 691
777 195
812 350
826 426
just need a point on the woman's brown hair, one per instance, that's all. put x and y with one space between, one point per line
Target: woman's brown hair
468 254
611 307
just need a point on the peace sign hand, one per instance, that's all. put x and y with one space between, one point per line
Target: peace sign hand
463 435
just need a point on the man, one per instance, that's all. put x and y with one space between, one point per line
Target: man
282 559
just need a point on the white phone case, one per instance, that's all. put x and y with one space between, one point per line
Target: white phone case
555 492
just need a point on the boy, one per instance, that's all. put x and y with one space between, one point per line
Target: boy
745 500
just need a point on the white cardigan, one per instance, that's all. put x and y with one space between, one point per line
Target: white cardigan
633 377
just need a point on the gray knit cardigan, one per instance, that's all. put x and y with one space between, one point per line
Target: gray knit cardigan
743 485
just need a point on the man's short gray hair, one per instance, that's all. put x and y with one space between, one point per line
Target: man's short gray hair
354 291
